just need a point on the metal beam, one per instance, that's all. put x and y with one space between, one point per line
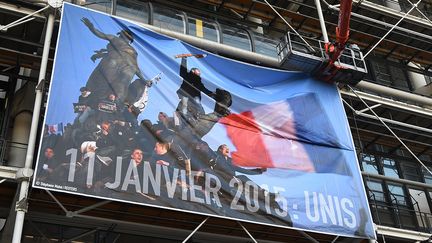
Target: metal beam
20 212
8 172
402 233
308 237
321 21
398 105
39 231
18 40
391 131
366 109
286 22
58 202
142 229
402 124
80 235
391 29
396 128
393 13
247 232
385 24
390 136
23 19
96 205
21 11
397 180
195 230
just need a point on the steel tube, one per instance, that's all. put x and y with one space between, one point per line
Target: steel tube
19 221
321 20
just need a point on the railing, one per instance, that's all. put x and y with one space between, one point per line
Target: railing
291 42
424 219
293 47
419 221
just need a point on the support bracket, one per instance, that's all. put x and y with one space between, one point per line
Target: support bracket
22 205
24 174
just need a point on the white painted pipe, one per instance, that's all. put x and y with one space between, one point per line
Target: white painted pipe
322 22
19 221
381 89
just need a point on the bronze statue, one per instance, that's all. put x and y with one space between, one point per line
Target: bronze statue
118 64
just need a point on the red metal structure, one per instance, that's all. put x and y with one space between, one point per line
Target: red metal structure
330 70
342 30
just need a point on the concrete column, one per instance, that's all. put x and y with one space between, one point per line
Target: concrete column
259 29
19 139
417 80
393 4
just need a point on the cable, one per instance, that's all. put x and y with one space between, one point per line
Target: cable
391 131
392 28
286 22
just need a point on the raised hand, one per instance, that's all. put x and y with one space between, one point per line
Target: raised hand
190 55
87 22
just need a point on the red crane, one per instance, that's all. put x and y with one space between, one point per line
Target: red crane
330 71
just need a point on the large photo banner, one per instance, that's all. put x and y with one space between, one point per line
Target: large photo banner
142 118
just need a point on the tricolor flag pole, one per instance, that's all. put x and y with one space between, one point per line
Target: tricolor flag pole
21 205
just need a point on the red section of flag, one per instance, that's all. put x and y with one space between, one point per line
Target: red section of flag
245 133
266 137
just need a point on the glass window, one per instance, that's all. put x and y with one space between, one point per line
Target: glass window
421 206
369 163
236 38
390 169
427 176
381 73
103 6
169 19
375 191
399 78
203 29
132 10
411 171
382 148
265 46
397 194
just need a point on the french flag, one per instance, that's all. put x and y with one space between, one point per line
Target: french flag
292 134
